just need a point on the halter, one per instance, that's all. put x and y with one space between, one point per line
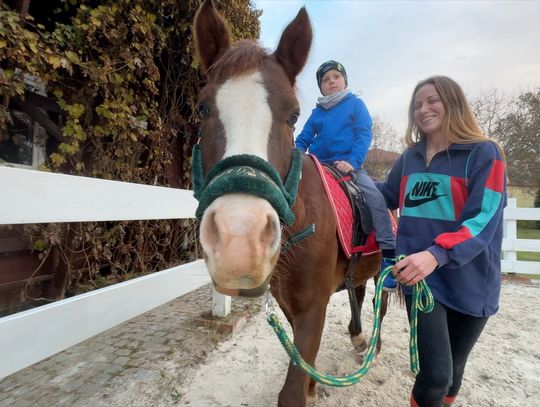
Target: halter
247 174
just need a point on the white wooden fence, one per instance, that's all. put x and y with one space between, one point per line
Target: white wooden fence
28 196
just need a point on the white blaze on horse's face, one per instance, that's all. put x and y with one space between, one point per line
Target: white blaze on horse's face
240 234
243 108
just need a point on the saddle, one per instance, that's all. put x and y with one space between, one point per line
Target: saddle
362 224
353 221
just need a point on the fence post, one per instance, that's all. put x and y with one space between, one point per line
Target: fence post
221 304
510 231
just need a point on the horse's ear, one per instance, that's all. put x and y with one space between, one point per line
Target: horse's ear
294 45
211 35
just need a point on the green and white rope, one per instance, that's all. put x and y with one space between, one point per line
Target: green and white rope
420 291
422 300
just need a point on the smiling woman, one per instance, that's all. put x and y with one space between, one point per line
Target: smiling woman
450 186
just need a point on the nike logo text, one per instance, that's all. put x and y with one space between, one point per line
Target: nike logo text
425 191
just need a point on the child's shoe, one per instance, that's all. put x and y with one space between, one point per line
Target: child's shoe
390 283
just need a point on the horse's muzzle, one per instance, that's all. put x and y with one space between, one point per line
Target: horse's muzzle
240 235
243 292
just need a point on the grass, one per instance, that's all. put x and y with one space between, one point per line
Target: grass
526 233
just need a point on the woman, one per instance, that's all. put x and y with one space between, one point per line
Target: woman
450 186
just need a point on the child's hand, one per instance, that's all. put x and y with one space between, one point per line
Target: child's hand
343 166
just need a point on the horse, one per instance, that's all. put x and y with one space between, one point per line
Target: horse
248 108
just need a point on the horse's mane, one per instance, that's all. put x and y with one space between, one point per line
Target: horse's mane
244 55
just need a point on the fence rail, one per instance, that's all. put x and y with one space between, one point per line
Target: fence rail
30 196
511 244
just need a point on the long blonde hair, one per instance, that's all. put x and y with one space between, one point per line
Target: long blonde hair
459 124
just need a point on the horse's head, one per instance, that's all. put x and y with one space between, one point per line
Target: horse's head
244 162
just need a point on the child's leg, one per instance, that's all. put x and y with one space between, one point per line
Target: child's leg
379 213
381 223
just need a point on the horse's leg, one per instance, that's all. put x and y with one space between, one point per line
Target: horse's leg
358 338
384 307
308 326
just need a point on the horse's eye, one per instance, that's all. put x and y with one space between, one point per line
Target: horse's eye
204 110
291 121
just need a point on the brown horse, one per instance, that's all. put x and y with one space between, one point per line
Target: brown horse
248 109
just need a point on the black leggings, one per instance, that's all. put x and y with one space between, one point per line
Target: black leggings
445 339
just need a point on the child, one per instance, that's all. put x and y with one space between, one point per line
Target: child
338 132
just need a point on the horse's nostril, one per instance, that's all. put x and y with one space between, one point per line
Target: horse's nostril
210 230
270 233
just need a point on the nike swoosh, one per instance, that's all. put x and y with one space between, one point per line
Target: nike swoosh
411 203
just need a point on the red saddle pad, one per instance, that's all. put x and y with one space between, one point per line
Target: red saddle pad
344 217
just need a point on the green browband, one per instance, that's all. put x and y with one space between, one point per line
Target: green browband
247 174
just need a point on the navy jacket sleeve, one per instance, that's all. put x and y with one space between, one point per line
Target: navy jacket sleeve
482 213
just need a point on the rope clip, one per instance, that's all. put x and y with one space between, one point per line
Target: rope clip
269 305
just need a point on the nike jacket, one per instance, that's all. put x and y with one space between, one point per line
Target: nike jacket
454 209
342 132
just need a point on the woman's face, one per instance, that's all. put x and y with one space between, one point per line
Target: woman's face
332 82
428 110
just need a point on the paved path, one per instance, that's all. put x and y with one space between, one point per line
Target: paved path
149 348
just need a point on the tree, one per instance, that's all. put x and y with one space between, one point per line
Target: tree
519 134
515 123
490 108
385 136
385 148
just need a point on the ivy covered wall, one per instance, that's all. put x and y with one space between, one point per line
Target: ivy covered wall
117 84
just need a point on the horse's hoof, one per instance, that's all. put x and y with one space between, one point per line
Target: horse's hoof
359 343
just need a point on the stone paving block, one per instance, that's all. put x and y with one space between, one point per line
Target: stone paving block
121 360
20 403
123 352
101 378
6 401
121 343
8 384
72 385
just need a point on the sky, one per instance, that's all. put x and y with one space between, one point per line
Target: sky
389 46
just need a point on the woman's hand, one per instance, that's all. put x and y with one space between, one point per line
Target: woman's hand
415 267
343 166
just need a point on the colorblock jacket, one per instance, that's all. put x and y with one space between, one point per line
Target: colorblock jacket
342 132
454 209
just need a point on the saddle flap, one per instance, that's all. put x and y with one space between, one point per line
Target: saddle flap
362 224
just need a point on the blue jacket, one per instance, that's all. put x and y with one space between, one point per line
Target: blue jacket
454 209
342 132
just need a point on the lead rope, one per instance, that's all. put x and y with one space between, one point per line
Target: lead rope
422 300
